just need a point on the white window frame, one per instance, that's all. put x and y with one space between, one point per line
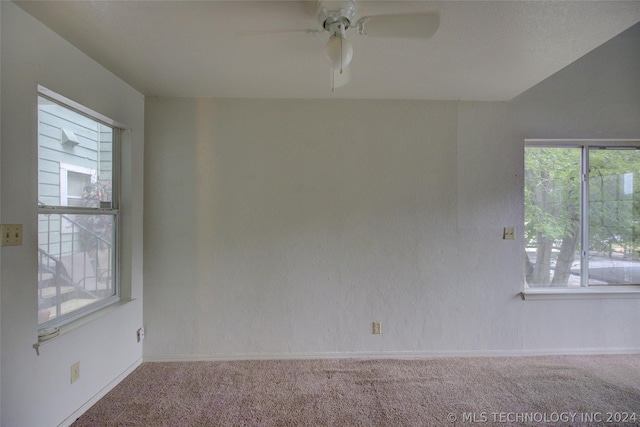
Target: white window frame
584 291
61 209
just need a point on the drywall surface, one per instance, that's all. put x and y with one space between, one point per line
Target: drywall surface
36 390
598 96
289 226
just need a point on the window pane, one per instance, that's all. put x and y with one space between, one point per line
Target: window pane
76 262
76 183
613 217
72 145
552 216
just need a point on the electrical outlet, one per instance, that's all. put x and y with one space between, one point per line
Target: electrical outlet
11 234
140 334
377 328
75 372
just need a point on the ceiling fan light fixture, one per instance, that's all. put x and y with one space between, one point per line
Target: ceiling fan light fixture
339 52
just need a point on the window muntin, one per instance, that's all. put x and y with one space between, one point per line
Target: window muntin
77 213
587 196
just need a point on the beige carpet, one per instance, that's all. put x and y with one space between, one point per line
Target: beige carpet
549 390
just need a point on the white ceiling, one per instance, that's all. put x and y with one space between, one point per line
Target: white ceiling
484 50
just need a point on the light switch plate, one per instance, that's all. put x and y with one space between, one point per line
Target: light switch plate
509 233
11 234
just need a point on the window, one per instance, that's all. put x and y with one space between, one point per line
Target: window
582 214
73 180
77 211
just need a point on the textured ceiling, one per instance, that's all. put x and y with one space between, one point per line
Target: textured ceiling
491 50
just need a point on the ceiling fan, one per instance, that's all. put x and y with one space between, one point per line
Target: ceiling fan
337 16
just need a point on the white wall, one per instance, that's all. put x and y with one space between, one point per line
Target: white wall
35 390
289 226
283 228
598 96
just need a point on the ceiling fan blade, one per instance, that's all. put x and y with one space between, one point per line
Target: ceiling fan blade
416 25
339 78
258 33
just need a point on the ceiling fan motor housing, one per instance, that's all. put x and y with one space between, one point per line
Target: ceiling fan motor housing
330 12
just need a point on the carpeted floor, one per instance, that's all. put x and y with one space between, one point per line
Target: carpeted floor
544 390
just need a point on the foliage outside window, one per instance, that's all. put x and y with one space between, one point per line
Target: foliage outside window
77 212
582 214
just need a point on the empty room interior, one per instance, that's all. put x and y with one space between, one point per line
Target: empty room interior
298 181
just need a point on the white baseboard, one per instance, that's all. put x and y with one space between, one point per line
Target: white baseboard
73 417
388 354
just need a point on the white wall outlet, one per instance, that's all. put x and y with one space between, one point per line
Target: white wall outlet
75 372
11 234
509 233
377 328
140 334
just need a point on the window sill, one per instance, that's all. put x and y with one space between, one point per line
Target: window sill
72 328
595 292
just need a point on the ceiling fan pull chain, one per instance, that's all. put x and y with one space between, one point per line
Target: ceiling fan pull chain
341 48
333 81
